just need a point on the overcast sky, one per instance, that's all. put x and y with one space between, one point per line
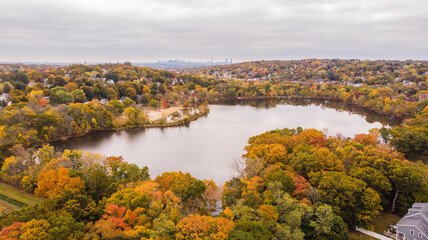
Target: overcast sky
198 30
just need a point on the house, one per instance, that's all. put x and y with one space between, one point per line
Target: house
4 97
103 101
410 99
408 83
414 225
123 99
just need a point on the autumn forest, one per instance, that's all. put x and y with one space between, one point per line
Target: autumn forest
291 183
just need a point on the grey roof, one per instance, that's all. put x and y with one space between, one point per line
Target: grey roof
417 216
421 208
423 227
409 221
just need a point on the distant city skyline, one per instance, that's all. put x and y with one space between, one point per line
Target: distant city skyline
212 61
195 30
182 60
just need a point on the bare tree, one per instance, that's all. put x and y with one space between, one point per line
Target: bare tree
238 165
314 195
254 167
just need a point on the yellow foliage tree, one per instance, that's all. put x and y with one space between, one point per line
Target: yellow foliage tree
204 227
52 183
35 230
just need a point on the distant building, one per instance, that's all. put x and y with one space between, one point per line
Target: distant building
4 97
103 101
410 99
407 83
414 225
423 97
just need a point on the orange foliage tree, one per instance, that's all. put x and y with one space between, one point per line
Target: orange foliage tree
365 139
11 232
113 225
204 227
52 183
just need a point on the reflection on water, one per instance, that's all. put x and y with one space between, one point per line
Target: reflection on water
207 146
370 116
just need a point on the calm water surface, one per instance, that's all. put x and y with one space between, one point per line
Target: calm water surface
207 147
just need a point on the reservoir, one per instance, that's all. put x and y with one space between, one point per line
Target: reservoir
207 147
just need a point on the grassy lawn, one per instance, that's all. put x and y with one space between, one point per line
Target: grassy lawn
6 207
354 235
13 199
424 159
382 222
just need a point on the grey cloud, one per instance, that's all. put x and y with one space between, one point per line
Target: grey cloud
138 30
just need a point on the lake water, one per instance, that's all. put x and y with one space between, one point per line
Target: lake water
207 147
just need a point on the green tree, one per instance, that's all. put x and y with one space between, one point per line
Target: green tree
115 107
80 206
60 95
131 93
128 102
88 92
412 142
250 230
123 172
154 103
78 95
232 192
275 173
373 177
325 225
134 117
385 133
111 94
350 198
64 226
98 184
405 184
163 228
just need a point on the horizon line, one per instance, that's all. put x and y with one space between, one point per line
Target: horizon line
194 61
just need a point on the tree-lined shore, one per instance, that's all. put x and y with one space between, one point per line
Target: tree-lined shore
292 183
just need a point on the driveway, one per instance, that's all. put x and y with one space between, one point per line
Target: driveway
373 234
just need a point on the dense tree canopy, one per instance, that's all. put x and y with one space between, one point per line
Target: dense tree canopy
292 183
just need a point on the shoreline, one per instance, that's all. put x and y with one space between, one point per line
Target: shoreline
155 115
154 124
204 111
393 118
